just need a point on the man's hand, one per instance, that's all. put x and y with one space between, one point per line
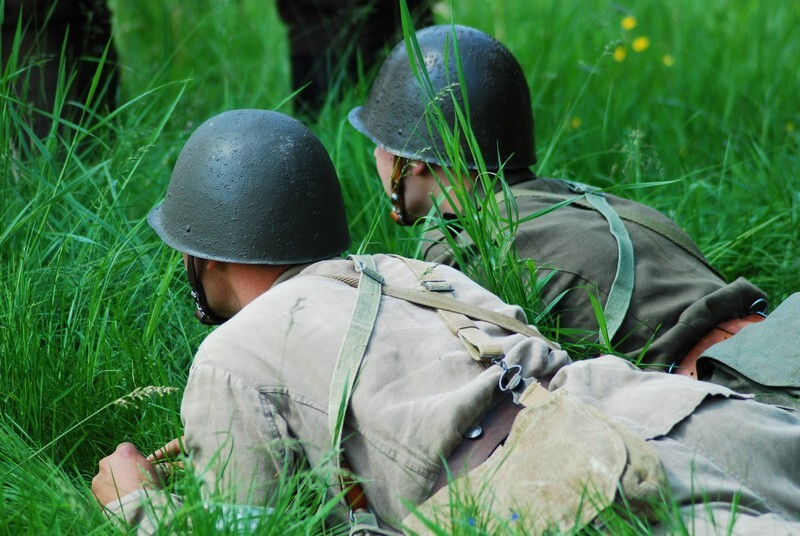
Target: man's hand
123 472
171 450
168 458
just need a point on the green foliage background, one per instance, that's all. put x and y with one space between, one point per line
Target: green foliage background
93 306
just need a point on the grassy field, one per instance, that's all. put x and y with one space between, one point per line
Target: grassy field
690 106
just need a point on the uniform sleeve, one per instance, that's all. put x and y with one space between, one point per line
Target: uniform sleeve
145 510
239 443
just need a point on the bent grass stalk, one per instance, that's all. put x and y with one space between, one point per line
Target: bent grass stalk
137 395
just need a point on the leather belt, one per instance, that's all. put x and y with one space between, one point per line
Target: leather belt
471 452
354 495
722 331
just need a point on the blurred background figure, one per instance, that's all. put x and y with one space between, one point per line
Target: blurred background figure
330 39
82 28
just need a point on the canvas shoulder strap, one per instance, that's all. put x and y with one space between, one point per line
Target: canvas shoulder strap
621 291
354 345
345 374
671 233
435 300
480 346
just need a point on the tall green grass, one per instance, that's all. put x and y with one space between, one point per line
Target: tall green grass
93 306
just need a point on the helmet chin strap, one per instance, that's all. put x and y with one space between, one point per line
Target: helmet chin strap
203 312
399 214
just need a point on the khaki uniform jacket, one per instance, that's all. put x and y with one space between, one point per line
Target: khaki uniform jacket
257 396
677 297
259 385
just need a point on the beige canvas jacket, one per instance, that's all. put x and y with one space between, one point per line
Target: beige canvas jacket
257 395
263 379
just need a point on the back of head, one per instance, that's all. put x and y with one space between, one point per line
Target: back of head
394 114
253 187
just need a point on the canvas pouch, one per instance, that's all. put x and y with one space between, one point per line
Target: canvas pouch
563 463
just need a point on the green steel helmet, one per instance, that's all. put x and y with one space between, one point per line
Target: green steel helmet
253 187
393 116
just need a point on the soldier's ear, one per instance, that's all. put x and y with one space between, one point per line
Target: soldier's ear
214 265
418 167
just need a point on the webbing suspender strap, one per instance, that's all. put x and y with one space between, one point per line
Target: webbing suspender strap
480 346
621 291
345 374
671 233
436 301
354 345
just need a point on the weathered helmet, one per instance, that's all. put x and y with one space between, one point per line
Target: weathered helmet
253 187
394 115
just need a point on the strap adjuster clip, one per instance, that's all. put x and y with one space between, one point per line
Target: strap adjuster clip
437 285
369 272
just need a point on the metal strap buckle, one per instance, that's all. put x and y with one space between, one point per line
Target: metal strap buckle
511 376
759 307
580 188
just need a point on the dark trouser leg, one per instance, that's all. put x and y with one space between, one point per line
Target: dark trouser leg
89 25
327 36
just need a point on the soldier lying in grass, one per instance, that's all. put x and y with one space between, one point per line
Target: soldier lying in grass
411 374
452 116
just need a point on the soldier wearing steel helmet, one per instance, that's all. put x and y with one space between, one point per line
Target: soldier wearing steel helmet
658 290
389 366
261 215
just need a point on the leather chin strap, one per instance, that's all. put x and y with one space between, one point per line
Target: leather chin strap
399 214
203 311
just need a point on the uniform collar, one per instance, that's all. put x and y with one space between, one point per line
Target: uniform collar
290 273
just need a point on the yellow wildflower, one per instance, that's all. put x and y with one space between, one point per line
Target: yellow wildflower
790 127
668 60
640 44
575 123
629 23
620 53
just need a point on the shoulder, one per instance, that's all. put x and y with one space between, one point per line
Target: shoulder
541 187
285 312
549 191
